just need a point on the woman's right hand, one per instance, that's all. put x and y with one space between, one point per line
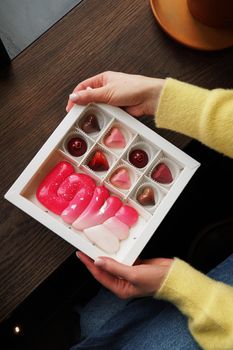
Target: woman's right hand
137 94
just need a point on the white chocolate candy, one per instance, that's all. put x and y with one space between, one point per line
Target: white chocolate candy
117 228
102 238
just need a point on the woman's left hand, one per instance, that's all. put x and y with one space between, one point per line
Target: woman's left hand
142 279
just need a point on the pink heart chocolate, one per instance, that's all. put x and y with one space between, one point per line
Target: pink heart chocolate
115 139
121 179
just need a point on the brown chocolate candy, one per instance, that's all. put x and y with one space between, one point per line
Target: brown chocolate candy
147 196
89 124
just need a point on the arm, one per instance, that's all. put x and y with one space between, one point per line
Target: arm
211 114
208 304
206 115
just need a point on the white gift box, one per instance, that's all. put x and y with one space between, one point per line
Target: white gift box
23 191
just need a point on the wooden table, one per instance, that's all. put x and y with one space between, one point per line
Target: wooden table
93 37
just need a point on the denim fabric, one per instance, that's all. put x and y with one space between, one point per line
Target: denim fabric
108 322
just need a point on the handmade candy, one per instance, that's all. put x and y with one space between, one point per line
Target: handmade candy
127 215
115 139
138 158
162 174
146 197
98 162
86 218
47 192
102 238
89 124
77 146
121 179
84 189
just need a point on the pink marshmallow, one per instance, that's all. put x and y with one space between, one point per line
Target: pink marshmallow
47 191
102 238
117 228
127 215
89 216
79 188
108 210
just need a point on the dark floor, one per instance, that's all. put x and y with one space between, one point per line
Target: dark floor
49 317
22 22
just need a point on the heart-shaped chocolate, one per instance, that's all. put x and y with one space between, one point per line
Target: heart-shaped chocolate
98 162
121 179
89 124
147 196
162 174
115 139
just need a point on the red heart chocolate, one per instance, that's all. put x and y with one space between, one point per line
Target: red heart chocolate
98 162
162 174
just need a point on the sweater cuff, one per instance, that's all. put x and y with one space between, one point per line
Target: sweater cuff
186 287
174 110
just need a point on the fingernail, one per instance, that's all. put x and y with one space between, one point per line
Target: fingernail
77 254
74 96
99 262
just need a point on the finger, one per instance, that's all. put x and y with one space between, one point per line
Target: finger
115 268
84 97
105 278
69 106
84 258
94 82
97 272
135 111
138 261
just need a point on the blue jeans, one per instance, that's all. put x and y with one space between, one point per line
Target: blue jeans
108 322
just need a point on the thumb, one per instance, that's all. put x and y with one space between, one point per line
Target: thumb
114 268
83 97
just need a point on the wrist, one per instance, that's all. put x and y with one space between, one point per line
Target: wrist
164 272
156 87
159 85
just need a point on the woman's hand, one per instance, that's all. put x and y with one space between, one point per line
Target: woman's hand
137 94
142 279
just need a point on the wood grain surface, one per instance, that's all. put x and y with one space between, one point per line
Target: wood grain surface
93 37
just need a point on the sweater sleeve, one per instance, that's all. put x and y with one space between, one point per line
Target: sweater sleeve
208 304
206 115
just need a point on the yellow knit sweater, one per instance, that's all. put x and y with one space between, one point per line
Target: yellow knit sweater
202 114
208 117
